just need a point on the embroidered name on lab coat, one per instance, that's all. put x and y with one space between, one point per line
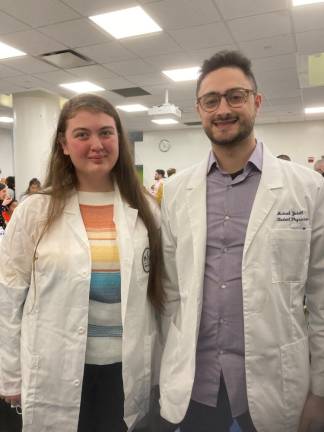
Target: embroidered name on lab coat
146 260
292 216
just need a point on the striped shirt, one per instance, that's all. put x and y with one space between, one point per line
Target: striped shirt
105 325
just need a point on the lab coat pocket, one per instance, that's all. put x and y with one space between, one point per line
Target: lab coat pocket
290 250
295 379
29 369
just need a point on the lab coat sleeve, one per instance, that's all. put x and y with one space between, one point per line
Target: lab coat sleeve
315 296
16 251
170 275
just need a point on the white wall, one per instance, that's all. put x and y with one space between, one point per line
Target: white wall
188 146
6 153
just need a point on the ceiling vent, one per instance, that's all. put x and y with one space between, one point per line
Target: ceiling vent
131 92
66 59
193 123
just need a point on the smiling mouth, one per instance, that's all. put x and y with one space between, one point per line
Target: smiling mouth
220 123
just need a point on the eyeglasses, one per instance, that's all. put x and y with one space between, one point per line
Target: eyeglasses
235 98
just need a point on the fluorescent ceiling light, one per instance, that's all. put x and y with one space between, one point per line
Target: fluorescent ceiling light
306 2
132 108
7 51
6 120
133 21
314 110
165 121
187 74
82 87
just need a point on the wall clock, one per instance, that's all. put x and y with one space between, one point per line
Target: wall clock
164 145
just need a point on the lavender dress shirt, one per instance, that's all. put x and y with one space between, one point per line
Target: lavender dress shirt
220 346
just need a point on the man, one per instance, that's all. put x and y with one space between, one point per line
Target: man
157 187
319 166
243 239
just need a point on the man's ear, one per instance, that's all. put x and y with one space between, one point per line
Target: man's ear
258 101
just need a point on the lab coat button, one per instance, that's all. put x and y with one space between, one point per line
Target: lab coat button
76 383
223 286
81 330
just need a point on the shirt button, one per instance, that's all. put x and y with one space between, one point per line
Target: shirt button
227 218
76 383
81 330
221 321
223 286
221 352
225 250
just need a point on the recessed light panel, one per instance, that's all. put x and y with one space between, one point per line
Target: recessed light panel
126 22
186 74
314 110
6 120
132 108
82 87
306 2
7 51
165 121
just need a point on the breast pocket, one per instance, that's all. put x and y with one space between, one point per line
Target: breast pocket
290 250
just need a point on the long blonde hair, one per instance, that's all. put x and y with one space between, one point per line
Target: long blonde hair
61 180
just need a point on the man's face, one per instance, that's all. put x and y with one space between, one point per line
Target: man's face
227 126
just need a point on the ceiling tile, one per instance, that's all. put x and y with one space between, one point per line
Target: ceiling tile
115 83
95 7
171 61
6 72
234 9
57 77
202 36
272 63
260 26
308 17
130 67
38 12
97 72
313 96
185 13
26 81
277 77
205 53
32 42
28 65
77 33
268 47
152 44
150 79
310 42
107 52
10 25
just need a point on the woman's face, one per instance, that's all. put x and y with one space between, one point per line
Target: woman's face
3 194
91 141
34 188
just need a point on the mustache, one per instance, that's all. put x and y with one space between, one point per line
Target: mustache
228 117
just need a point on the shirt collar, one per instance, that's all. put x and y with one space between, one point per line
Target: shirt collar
255 159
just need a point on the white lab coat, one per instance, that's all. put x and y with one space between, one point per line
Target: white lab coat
283 255
44 314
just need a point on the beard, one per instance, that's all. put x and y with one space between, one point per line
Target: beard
232 140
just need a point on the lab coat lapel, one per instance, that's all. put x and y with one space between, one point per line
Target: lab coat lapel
270 183
74 219
125 220
196 204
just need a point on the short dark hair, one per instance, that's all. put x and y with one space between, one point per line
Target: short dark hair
161 172
231 59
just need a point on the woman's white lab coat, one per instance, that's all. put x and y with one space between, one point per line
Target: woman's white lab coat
44 314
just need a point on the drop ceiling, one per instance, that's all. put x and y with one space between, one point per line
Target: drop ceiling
277 37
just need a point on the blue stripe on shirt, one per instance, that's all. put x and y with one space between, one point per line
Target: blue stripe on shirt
105 287
104 331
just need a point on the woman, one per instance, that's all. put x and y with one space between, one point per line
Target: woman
34 186
90 233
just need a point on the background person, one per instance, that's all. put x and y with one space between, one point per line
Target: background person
80 283
243 240
34 186
319 166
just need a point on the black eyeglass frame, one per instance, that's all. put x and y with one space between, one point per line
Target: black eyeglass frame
247 93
